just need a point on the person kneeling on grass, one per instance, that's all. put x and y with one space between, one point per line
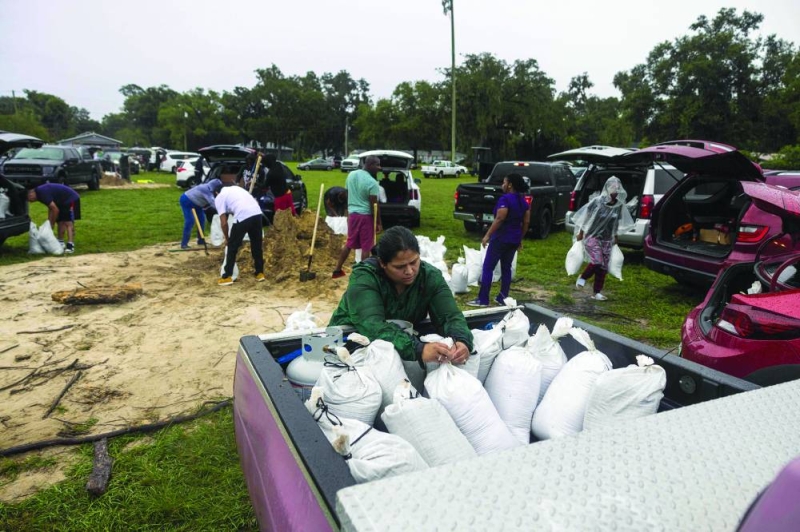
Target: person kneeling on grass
246 213
63 207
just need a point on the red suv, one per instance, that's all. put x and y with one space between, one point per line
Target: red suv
707 221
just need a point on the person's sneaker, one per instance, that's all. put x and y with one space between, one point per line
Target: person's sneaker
338 274
225 281
70 248
476 303
260 277
580 283
186 246
599 297
499 301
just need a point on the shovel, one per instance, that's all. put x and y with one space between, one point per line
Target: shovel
308 274
200 230
255 173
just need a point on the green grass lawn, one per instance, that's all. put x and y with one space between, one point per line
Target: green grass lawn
188 477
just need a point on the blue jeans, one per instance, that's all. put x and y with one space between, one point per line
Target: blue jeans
504 254
188 220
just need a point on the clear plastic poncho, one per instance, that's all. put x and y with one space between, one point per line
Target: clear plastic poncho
605 216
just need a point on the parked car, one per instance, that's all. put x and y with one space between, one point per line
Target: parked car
337 161
349 164
707 222
231 159
443 169
186 173
644 181
113 159
169 162
52 164
14 219
403 198
748 325
316 164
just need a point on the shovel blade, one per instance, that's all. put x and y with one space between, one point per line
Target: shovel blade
307 276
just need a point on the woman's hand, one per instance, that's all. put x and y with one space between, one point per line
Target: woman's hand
485 241
435 352
580 236
459 354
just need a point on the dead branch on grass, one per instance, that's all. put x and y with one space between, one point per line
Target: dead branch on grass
101 469
62 394
47 330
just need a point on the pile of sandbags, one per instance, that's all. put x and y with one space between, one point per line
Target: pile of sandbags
42 240
350 392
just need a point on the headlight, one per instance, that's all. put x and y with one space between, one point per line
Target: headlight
48 170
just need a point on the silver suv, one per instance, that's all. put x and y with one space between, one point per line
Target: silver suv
644 183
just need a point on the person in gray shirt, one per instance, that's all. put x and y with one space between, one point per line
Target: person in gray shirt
197 199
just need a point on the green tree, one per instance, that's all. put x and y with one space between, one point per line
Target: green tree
52 112
25 122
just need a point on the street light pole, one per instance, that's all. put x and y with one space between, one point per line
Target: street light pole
448 7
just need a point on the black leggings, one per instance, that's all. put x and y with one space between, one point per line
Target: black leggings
252 227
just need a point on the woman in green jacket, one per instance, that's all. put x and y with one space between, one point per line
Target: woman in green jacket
397 284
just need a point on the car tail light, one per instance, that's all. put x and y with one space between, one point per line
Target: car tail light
415 194
752 233
748 322
528 199
646 206
181 169
572 201
455 197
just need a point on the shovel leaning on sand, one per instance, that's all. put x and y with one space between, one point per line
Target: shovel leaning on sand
308 275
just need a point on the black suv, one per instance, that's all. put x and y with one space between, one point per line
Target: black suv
51 164
14 219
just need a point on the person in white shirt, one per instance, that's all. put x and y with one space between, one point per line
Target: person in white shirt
242 206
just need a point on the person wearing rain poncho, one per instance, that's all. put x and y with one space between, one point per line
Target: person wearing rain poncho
598 223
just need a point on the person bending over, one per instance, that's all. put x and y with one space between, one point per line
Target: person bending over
63 207
239 204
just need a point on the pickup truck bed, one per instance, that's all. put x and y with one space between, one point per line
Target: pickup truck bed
294 476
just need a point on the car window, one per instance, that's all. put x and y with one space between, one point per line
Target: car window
665 180
537 174
705 190
48 154
564 177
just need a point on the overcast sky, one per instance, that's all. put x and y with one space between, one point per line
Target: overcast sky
85 50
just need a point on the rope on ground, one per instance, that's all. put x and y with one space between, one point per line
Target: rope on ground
150 427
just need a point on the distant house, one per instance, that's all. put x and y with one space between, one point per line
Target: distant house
90 138
280 152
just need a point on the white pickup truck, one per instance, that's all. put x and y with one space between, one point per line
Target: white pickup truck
443 169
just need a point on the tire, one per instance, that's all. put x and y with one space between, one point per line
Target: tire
458 174
426 176
303 202
329 168
61 179
541 229
441 175
94 182
471 227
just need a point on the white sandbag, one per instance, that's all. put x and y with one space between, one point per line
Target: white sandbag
563 407
474 264
235 274
574 258
301 320
48 240
488 344
469 405
433 252
217 237
415 373
338 224
386 366
626 393
370 454
545 348
350 392
459 277
513 386
471 366
427 426
615 262
34 247
516 327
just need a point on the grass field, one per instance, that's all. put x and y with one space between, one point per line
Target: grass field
188 477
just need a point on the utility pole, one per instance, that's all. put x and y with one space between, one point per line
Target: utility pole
447 5
14 98
346 131
185 120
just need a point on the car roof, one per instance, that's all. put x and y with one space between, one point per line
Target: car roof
10 141
691 159
592 154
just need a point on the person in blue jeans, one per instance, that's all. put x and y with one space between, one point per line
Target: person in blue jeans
512 215
197 199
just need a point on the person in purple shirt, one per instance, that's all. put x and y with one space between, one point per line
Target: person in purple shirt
197 199
63 207
512 215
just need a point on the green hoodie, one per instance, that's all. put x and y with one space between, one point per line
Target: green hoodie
371 299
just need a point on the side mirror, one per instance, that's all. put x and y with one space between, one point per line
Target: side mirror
73 160
417 181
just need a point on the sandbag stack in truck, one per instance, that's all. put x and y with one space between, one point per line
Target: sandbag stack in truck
427 426
513 386
545 348
370 454
469 405
626 393
350 392
563 407
471 366
511 331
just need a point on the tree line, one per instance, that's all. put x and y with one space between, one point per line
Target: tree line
719 82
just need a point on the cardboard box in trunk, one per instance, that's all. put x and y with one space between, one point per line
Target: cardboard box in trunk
715 237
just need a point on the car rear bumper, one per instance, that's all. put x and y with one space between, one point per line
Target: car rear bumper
683 273
405 216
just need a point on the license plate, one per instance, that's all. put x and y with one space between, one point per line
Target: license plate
488 217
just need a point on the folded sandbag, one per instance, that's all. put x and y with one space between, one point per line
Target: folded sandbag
471 366
545 348
469 405
513 386
48 240
563 407
626 393
370 454
350 392
426 425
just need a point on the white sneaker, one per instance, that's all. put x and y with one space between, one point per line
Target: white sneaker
580 283
599 297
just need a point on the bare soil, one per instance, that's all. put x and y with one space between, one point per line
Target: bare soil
157 356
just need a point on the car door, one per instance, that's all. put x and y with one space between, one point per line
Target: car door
565 182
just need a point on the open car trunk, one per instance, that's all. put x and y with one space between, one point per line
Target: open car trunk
632 181
702 215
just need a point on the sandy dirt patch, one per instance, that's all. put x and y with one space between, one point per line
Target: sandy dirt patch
157 356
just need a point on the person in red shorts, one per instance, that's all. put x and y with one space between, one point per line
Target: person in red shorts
276 181
362 204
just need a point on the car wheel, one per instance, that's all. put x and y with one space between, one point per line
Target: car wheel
94 182
471 227
542 227
61 179
458 174
441 175
329 168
